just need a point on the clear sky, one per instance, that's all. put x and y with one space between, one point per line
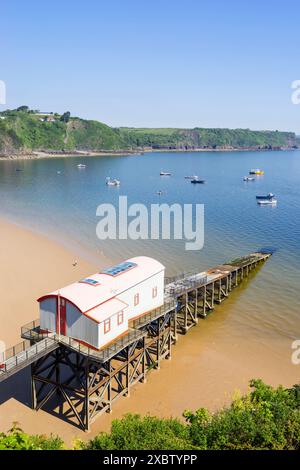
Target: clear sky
171 63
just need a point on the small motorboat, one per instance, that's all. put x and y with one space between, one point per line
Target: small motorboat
268 197
81 166
165 173
248 178
159 193
195 177
256 172
113 182
197 181
267 202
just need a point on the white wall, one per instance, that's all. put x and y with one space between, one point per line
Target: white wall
48 314
146 302
81 327
115 330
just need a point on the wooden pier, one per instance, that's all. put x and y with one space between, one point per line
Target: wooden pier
83 382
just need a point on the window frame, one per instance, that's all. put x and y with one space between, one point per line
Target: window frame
136 299
107 326
121 316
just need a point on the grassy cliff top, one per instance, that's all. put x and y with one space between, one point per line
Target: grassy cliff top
23 130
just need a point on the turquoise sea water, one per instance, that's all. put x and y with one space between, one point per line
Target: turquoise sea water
63 206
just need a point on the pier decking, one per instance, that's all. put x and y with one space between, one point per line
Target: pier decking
87 380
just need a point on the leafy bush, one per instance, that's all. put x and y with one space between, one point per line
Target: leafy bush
16 439
134 432
267 418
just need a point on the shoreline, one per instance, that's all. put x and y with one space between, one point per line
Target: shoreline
36 155
208 365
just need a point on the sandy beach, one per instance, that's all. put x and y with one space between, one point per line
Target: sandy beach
207 365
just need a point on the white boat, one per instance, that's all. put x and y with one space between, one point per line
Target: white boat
248 178
165 173
194 177
80 165
113 182
267 202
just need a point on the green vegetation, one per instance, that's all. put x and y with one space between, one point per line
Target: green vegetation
16 439
208 138
265 419
66 117
24 130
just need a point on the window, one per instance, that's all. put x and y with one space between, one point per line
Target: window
90 282
107 326
120 318
154 292
136 299
119 268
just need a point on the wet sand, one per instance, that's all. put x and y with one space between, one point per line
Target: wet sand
208 365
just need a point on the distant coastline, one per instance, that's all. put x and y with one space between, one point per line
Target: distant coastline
28 134
35 155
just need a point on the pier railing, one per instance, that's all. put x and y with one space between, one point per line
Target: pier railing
184 284
13 351
178 277
106 353
32 332
23 354
153 314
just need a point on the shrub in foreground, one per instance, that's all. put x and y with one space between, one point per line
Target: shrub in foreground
16 439
266 418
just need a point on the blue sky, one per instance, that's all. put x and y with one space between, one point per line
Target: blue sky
171 63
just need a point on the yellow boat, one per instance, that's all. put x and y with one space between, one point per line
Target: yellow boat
256 172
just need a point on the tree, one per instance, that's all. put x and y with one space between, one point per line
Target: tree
23 109
66 117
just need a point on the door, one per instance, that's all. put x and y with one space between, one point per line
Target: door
61 324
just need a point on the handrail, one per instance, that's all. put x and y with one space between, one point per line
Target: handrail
23 352
180 287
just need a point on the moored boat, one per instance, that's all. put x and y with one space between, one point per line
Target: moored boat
267 202
80 165
267 197
248 178
194 177
112 182
198 181
257 171
165 173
